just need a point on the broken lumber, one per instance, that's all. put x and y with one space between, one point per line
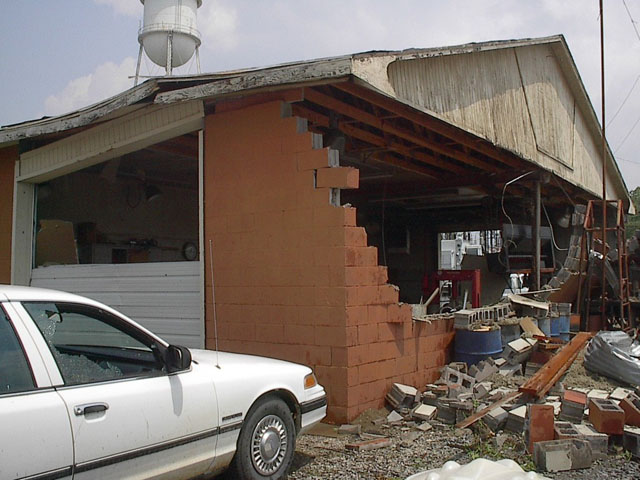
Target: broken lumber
544 379
478 415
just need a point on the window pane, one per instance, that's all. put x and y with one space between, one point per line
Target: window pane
89 345
15 374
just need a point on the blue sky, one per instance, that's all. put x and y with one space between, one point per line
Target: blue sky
60 55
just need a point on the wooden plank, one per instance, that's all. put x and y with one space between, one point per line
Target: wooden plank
478 415
545 378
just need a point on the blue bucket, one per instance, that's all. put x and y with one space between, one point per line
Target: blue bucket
471 346
544 324
555 326
564 327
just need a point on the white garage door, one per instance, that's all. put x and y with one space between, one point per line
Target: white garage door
163 297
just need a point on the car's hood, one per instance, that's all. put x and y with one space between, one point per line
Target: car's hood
246 363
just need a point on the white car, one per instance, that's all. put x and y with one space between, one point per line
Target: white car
87 393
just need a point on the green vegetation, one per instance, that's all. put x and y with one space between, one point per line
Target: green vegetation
633 221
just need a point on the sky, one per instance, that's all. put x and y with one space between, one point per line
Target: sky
58 56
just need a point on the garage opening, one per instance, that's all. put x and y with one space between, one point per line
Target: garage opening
126 232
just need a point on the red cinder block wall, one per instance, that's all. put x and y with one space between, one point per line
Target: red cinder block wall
8 157
294 277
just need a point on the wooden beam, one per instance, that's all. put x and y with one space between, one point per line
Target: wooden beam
387 126
439 126
467 422
550 373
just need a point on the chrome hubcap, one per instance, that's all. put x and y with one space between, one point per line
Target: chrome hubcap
269 445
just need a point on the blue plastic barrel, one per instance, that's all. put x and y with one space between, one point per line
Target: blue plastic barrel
471 346
564 327
544 324
555 326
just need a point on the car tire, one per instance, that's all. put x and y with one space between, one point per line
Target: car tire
267 442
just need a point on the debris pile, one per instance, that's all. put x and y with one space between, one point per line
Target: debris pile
562 428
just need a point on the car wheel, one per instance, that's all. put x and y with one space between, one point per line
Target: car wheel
267 442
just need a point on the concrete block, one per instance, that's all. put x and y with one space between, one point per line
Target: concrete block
573 405
496 418
465 318
451 376
531 368
481 390
620 393
631 406
606 416
394 417
424 426
597 393
446 414
459 366
348 429
372 444
483 369
429 398
500 362
631 440
562 455
599 441
401 396
510 370
517 351
538 424
425 412
565 430
516 419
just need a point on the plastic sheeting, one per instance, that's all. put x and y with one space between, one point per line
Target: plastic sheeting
615 355
479 469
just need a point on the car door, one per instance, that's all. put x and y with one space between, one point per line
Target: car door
35 438
129 417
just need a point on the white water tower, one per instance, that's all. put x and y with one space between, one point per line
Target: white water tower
169 34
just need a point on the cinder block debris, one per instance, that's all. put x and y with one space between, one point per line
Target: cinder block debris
430 398
565 430
465 318
517 351
483 369
401 396
394 417
597 393
573 405
446 413
620 394
371 444
531 368
516 419
424 426
631 440
348 429
451 376
538 424
459 366
500 362
631 406
496 419
510 370
424 412
606 416
481 390
562 455
599 441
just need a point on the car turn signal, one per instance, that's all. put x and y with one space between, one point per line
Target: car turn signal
310 381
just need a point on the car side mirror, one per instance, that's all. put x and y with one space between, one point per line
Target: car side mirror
177 358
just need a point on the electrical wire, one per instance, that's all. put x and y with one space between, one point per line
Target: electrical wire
553 237
628 134
504 189
633 22
624 101
563 190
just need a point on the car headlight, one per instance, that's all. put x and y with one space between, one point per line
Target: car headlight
310 381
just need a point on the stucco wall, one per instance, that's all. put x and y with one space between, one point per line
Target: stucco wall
294 277
8 157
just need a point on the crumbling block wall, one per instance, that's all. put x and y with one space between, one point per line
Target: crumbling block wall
8 158
294 277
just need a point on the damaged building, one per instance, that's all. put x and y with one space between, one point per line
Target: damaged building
313 197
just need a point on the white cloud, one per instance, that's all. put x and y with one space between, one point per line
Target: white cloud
218 24
107 80
132 8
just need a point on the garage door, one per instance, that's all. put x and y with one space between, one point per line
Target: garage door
163 297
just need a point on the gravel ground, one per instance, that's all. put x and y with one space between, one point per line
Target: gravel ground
412 451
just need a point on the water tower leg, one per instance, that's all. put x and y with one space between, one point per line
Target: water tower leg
198 59
169 66
135 82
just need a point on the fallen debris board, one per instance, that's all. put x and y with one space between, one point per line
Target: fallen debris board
527 302
528 326
548 375
369 444
478 415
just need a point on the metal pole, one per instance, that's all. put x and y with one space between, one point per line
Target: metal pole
603 278
135 82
